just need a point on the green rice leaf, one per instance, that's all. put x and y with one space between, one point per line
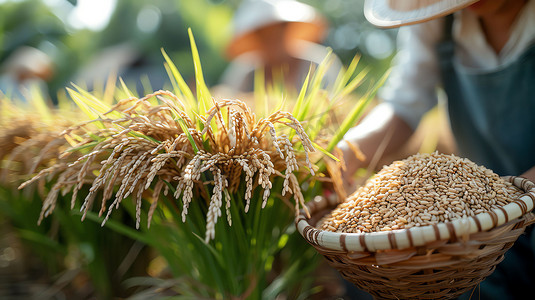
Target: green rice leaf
322 68
324 151
174 84
356 113
126 90
182 85
86 108
118 227
211 248
318 147
203 94
185 129
356 82
346 76
99 106
41 239
301 97
315 87
141 135
75 137
88 145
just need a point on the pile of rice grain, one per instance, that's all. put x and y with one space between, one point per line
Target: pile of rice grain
420 190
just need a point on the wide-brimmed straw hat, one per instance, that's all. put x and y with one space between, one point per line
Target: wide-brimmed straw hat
304 23
396 13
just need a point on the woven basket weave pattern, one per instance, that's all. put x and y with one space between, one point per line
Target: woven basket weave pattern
437 262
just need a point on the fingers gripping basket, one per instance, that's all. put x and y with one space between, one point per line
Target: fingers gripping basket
439 261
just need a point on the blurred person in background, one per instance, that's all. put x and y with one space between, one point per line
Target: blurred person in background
33 37
483 56
129 46
282 37
26 68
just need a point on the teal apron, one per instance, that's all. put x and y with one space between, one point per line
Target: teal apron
492 116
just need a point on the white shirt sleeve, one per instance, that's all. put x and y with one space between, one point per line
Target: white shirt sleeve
411 87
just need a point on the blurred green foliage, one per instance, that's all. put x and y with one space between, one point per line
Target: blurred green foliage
45 25
72 259
147 26
31 23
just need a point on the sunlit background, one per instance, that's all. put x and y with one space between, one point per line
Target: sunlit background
88 39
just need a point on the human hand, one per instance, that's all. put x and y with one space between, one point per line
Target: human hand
529 174
351 159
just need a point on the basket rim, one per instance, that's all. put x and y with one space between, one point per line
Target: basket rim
416 236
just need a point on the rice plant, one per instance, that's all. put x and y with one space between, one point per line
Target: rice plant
60 257
179 161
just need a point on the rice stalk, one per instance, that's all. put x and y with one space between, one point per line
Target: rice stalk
138 145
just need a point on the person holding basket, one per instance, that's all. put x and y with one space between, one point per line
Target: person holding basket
482 54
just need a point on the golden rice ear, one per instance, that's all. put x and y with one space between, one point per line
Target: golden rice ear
355 149
341 163
139 142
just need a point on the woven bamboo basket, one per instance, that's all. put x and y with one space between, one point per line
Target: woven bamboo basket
440 261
